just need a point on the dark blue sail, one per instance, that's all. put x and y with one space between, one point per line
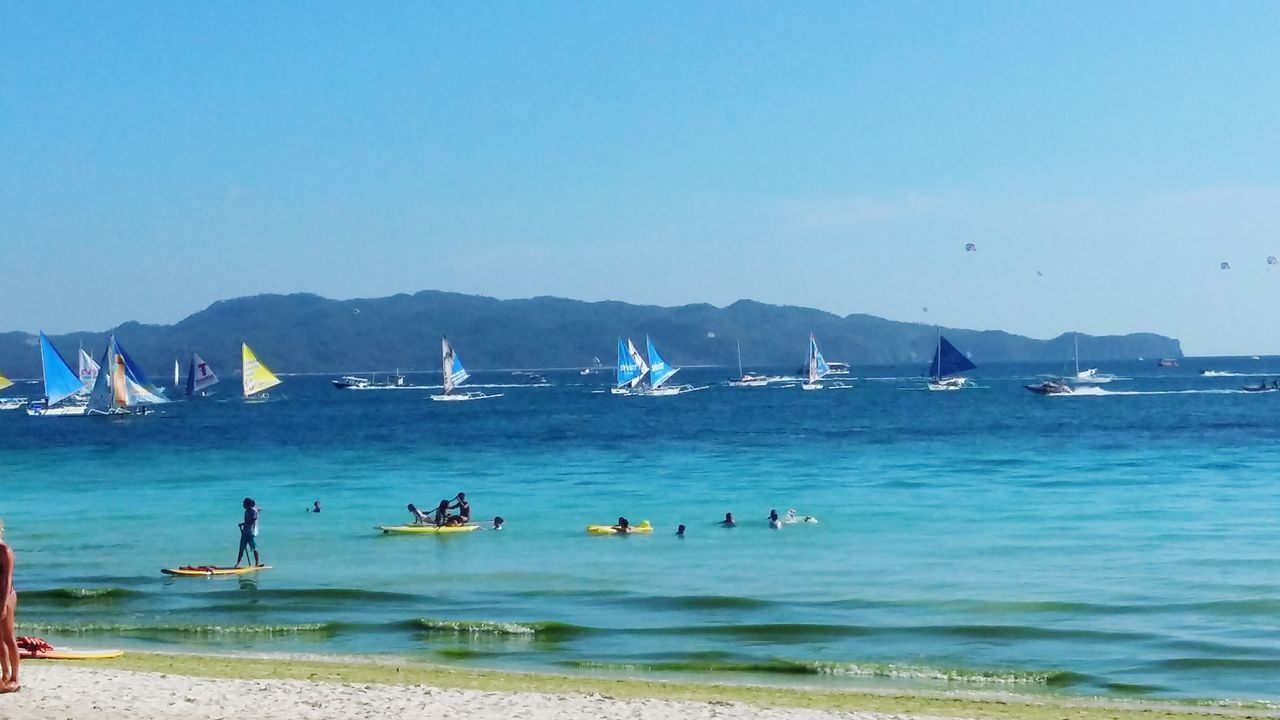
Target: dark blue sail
947 360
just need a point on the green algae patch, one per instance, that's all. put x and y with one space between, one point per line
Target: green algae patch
957 705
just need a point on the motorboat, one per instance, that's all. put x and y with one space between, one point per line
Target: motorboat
1050 387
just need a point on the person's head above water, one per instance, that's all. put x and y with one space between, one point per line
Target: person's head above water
248 503
773 514
622 522
680 531
497 522
728 517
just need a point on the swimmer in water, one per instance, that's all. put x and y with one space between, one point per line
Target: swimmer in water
497 522
774 522
680 532
728 521
315 507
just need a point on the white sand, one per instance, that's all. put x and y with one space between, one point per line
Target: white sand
54 691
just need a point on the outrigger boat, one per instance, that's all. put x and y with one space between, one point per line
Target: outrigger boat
947 363
256 378
455 375
659 373
63 391
200 377
630 371
122 389
354 382
816 368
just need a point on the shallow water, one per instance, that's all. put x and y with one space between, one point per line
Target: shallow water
1122 544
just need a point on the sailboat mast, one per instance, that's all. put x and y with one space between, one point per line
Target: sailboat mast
1076 338
937 355
739 358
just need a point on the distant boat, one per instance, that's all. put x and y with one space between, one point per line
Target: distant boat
177 375
123 389
61 385
630 371
1167 363
88 370
355 382
1050 387
1091 375
747 379
199 377
256 378
659 373
948 363
596 367
817 367
12 403
835 367
454 375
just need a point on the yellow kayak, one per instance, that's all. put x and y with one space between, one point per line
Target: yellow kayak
73 655
211 570
426 529
643 527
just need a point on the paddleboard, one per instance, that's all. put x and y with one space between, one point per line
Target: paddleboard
211 570
425 529
643 527
72 655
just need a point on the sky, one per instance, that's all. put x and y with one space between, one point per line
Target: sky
1104 158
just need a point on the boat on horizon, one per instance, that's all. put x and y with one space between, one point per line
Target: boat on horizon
454 375
749 379
1166 363
256 379
947 363
63 390
10 403
817 367
1089 376
200 377
355 382
631 369
658 375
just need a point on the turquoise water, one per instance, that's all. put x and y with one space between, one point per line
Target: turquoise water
1126 544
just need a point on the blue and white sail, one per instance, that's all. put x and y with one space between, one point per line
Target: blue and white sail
88 370
137 389
659 370
817 366
199 375
60 381
454 373
948 361
631 367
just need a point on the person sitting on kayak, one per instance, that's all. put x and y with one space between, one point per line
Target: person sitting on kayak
442 513
623 527
463 507
249 533
728 521
419 517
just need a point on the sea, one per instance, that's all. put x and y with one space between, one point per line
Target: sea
1122 542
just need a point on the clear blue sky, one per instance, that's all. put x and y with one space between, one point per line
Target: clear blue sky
155 157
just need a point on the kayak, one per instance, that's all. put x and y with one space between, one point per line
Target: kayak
643 527
425 529
212 570
72 655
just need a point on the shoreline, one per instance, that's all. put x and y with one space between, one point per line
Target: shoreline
140 681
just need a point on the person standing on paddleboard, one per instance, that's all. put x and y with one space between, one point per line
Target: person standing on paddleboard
8 608
249 533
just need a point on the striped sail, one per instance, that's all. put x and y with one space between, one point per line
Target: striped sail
454 373
257 377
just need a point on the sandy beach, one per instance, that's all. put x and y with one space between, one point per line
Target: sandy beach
223 687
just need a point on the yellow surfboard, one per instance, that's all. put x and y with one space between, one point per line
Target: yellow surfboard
425 529
68 654
643 527
211 570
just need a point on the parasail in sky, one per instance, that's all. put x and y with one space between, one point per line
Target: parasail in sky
970 247
1271 260
1224 266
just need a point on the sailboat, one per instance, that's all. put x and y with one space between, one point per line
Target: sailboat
257 378
88 370
631 369
61 385
947 363
200 377
816 369
747 379
659 373
454 375
1089 376
177 375
123 389
10 403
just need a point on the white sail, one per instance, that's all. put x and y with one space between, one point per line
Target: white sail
88 369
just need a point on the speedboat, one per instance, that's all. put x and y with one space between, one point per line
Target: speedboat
1167 363
835 367
749 380
348 382
1262 387
1050 387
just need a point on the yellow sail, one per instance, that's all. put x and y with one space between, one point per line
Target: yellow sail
5 382
256 375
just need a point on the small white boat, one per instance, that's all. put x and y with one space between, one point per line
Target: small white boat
835 367
1089 376
63 390
746 379
454 375
1051 387
14 403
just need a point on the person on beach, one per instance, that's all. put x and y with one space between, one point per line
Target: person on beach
728 521
419 517
623 527
775 523
8 609
463 507
249 533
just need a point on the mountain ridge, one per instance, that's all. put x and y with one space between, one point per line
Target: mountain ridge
304 332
